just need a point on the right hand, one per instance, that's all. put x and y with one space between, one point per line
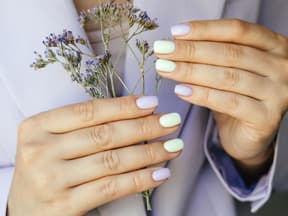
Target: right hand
78 157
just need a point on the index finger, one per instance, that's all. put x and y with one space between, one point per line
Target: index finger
231 30
95 112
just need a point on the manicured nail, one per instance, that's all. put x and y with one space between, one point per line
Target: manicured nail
161 174
180 30
183 90
174 145
165 65
170 120
147 102
164 47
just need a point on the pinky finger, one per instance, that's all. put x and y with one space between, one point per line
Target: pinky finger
93 194
233 104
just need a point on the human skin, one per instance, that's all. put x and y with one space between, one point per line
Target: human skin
78 157
240 71
246 136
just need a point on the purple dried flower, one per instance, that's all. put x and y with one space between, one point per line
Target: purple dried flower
144 48
141 18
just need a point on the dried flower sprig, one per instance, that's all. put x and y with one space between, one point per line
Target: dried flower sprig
97 74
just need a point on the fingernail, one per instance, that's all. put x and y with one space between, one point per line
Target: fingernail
164 47
183 90
161 174
147 102
174 145
165 65
170 120
180 30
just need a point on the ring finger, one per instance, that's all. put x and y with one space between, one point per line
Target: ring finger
119 161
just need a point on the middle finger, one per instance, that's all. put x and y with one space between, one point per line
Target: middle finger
114 135
216 53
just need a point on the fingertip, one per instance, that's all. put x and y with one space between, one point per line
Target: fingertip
183 90
147 102
161 174
165 66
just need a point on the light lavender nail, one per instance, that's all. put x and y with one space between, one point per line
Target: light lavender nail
147 102
183 90
161 174
180 30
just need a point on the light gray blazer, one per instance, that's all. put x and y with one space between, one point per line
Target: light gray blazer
195 188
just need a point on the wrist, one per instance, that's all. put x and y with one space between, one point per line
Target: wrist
252 169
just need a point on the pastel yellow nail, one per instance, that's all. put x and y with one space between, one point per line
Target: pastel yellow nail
174 145
165 65
170 120
164 47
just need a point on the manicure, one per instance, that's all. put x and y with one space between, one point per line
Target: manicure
161 174
170 120
147 102
164 47
174 145
183 90
165 65
180 30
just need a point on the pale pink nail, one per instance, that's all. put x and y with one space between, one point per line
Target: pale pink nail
161 174
147 102
180 30
183 90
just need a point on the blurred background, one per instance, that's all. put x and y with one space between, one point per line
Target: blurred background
277 206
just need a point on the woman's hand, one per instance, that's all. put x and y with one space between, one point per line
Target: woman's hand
75 158
237 69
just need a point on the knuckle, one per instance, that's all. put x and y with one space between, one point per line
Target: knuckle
138 183
109 188
233 102
190 72
190 49
30 153
283 44
231 77
240 28
144 126
25 128
232 52
101 135
111 160
85 110
35 149
149 153
44 183
63 202
123 102
204 97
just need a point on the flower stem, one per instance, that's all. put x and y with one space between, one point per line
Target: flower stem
146 195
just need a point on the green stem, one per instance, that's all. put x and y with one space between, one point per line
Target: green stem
110 71
146 195
122 83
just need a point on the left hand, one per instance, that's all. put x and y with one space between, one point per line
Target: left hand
237 69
